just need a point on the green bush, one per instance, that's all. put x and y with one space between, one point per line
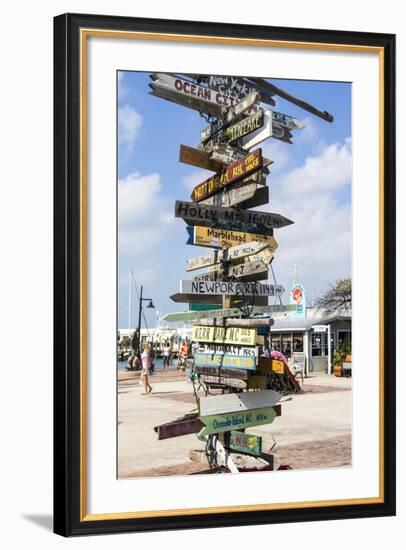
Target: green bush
342 350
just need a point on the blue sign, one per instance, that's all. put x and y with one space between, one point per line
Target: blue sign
189 230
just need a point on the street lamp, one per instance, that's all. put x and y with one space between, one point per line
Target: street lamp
150 305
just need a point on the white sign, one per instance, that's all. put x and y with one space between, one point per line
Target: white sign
319 328
230 289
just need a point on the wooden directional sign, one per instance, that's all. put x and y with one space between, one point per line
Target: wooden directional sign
240 374
249 271
235 132
225 360
201 159
182 298
239 194
229 254
225 335
252 221
203 307
189 316
234 86
245 443
263 133
281 132
287 121
231 115
239 169
221 238
226 288
227 349
189 94
237 420
253 322
223 381
233 402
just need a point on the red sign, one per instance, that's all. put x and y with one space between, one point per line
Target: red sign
233 172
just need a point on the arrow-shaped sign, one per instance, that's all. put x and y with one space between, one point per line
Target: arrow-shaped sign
230 218
231 115
239 169
226 288
237 402
190 316
229 254
237 131
224 238
237 420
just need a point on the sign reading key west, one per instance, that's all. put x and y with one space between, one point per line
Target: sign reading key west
225 335
235 171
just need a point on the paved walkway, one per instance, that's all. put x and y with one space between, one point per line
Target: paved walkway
305 417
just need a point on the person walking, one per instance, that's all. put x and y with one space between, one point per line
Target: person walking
146 364
167 355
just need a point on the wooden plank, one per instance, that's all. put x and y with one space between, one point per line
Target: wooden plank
233 402
225 360
201 159
189 316
209 101
237 170
227 349
239 194
231 115
185 101
227 288
287 121
251 221
239 374
271 88
223 381
188 424
225 335
247 272
246 443
202 307
235 86
227 255
225 238
182 298
237 420
253 322
237 131
281 133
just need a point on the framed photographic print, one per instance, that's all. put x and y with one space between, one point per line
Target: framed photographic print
224 274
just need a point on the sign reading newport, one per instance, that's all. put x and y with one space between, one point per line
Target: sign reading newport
230 288
235 171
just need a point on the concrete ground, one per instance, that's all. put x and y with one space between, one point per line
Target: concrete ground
313 431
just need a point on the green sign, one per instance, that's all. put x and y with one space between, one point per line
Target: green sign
228 422
230 312
203 307
246 443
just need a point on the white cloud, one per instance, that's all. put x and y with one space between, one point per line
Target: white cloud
129 124
191 180
319 241
144 217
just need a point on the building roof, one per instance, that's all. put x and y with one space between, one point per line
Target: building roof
294 323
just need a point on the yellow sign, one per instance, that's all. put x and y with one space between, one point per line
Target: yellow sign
278 366
223 238
223 335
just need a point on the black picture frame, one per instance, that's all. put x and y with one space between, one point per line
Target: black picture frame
68 438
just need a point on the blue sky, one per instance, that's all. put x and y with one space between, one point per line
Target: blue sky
310 183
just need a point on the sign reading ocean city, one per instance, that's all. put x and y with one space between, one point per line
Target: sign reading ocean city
227 342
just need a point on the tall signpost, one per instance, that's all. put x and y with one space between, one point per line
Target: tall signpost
229 342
